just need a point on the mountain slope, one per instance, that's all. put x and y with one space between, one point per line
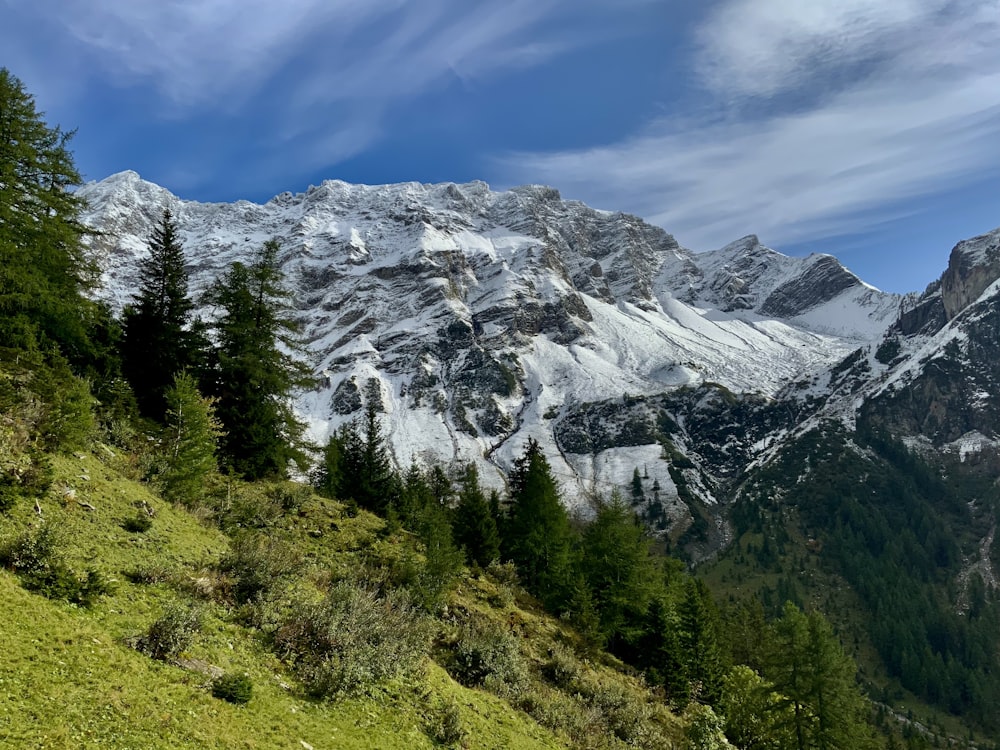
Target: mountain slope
478 318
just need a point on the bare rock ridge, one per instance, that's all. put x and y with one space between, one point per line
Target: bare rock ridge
973 266
481 318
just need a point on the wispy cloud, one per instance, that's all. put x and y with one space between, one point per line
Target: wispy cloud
824 117
331 70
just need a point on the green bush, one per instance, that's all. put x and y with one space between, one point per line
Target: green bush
354 639
234 688
488 656
171 634
563 669
33 551
34 555
257 566
146 575
444 725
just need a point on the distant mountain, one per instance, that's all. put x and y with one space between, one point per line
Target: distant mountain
489 317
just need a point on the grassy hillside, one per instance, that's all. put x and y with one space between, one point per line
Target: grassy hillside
70 676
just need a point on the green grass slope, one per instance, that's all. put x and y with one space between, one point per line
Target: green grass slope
71 678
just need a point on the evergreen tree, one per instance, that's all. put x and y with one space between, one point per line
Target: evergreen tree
327 476
618 569
475 528
159 340
189 442
255 372
366 472
43 266
698 637
815 678
637 492
538 537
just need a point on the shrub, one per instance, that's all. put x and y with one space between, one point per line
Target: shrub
234 688
563 668
628 714
146 575
353 639
257 566
444 725
485 655
34 556
171 634
32 551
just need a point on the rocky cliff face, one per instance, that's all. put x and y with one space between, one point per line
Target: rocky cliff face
481 318
974 265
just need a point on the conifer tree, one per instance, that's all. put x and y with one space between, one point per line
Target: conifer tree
366 472
698 638
815 679
44 269
538 537
190 441
255 373
618 568
475 527
159 340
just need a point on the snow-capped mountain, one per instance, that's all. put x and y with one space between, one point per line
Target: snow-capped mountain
487 317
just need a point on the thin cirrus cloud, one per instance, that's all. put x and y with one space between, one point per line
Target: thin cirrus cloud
823 119
318 78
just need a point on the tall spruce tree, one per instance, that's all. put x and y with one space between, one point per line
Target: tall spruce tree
537 536
159 340
190 441
475 526
44 269
256 371
619 570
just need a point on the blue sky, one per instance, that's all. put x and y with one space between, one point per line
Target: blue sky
869 129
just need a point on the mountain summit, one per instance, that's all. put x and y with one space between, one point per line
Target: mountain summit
479 319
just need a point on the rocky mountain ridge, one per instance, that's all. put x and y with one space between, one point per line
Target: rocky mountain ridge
481 318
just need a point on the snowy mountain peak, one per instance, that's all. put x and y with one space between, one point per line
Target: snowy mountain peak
486 316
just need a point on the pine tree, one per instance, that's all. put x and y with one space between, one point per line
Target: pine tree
190 441
159 339
475 528
537 536
44 269
255 373
637 492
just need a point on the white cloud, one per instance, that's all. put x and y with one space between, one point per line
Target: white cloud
922 118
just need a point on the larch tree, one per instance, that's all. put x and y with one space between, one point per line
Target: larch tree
618 569
821 704
537 536
190 442
44 269
475 526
